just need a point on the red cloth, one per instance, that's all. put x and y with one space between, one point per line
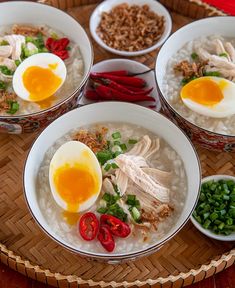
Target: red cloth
228 6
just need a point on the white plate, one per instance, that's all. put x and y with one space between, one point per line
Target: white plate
207 232
107 5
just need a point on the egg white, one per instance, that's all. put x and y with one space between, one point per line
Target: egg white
225 108
41 60
72 153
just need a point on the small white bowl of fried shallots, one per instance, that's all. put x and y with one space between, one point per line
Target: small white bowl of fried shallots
130 27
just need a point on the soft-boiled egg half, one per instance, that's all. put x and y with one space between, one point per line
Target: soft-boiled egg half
39 77
75 177
210 96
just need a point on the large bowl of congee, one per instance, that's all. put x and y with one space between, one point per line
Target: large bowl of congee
45 60
195 73
106 180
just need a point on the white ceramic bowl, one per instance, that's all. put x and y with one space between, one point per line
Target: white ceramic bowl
112 112
16 12
207 232
107 5
132 66
205 27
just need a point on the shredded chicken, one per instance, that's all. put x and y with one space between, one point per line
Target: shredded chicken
219 58
107 186
143 180
161 177
10 64
94 140
152 212
141 147
5 51
230 50
122 181
16 42
27 30
149 185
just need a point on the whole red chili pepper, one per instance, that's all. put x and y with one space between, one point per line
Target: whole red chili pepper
124 80
134 89
121 88
117 73
116 226
107 93
125 73
106 238
92 95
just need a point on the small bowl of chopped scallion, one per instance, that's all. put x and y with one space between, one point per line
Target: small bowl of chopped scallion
214 214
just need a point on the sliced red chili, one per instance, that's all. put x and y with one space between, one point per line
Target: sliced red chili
116 226
106 238
63 54
58 47
88 226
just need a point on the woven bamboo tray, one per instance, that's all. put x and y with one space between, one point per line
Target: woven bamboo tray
189 257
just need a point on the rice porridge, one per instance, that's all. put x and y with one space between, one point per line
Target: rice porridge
213 57
150 219
20 42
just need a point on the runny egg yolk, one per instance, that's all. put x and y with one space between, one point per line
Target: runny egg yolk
40 82
203 91
75 185
71 218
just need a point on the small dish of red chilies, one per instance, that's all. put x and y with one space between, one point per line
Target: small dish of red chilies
120 85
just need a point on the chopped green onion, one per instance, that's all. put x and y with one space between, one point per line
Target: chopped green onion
68 48
116 135
4 43
3 85
207 224
39 42
106 197
116 142
117 153
102 210
110 199
223 55
132 141
187 80
5 70
212 73
216 207
116 148
41 50
116 189
29 39
14 107
17 62
114 166
107 167
123 147
104 156
135 213
132 201
194 56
